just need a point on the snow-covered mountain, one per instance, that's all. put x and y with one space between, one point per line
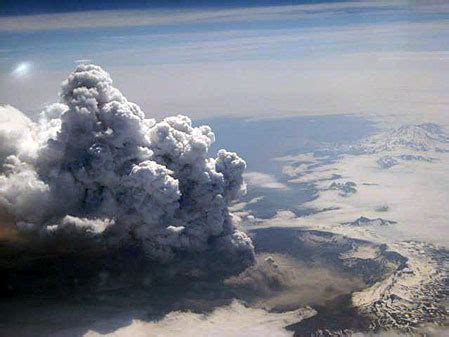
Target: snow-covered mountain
417 137
364 221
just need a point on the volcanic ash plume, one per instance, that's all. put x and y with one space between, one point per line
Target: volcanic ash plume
94 166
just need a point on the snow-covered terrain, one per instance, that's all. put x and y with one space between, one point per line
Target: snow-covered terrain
391 188
416 137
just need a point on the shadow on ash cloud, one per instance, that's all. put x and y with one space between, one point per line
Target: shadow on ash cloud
294 268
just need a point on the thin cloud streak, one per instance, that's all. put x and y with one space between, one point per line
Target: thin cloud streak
128 18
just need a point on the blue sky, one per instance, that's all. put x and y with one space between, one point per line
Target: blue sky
250 59
14 7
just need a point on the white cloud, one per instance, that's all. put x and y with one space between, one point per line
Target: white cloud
228 321
259 179
415 199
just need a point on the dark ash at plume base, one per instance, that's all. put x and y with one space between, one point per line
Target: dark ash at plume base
93 182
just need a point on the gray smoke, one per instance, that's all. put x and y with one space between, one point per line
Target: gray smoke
93 165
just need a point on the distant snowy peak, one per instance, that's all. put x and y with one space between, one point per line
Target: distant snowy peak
346 188
364 221
418 137
386 162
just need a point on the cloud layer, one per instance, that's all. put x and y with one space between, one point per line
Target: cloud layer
145 17
232 320
388 177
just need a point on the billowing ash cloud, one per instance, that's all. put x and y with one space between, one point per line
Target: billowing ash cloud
94 166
